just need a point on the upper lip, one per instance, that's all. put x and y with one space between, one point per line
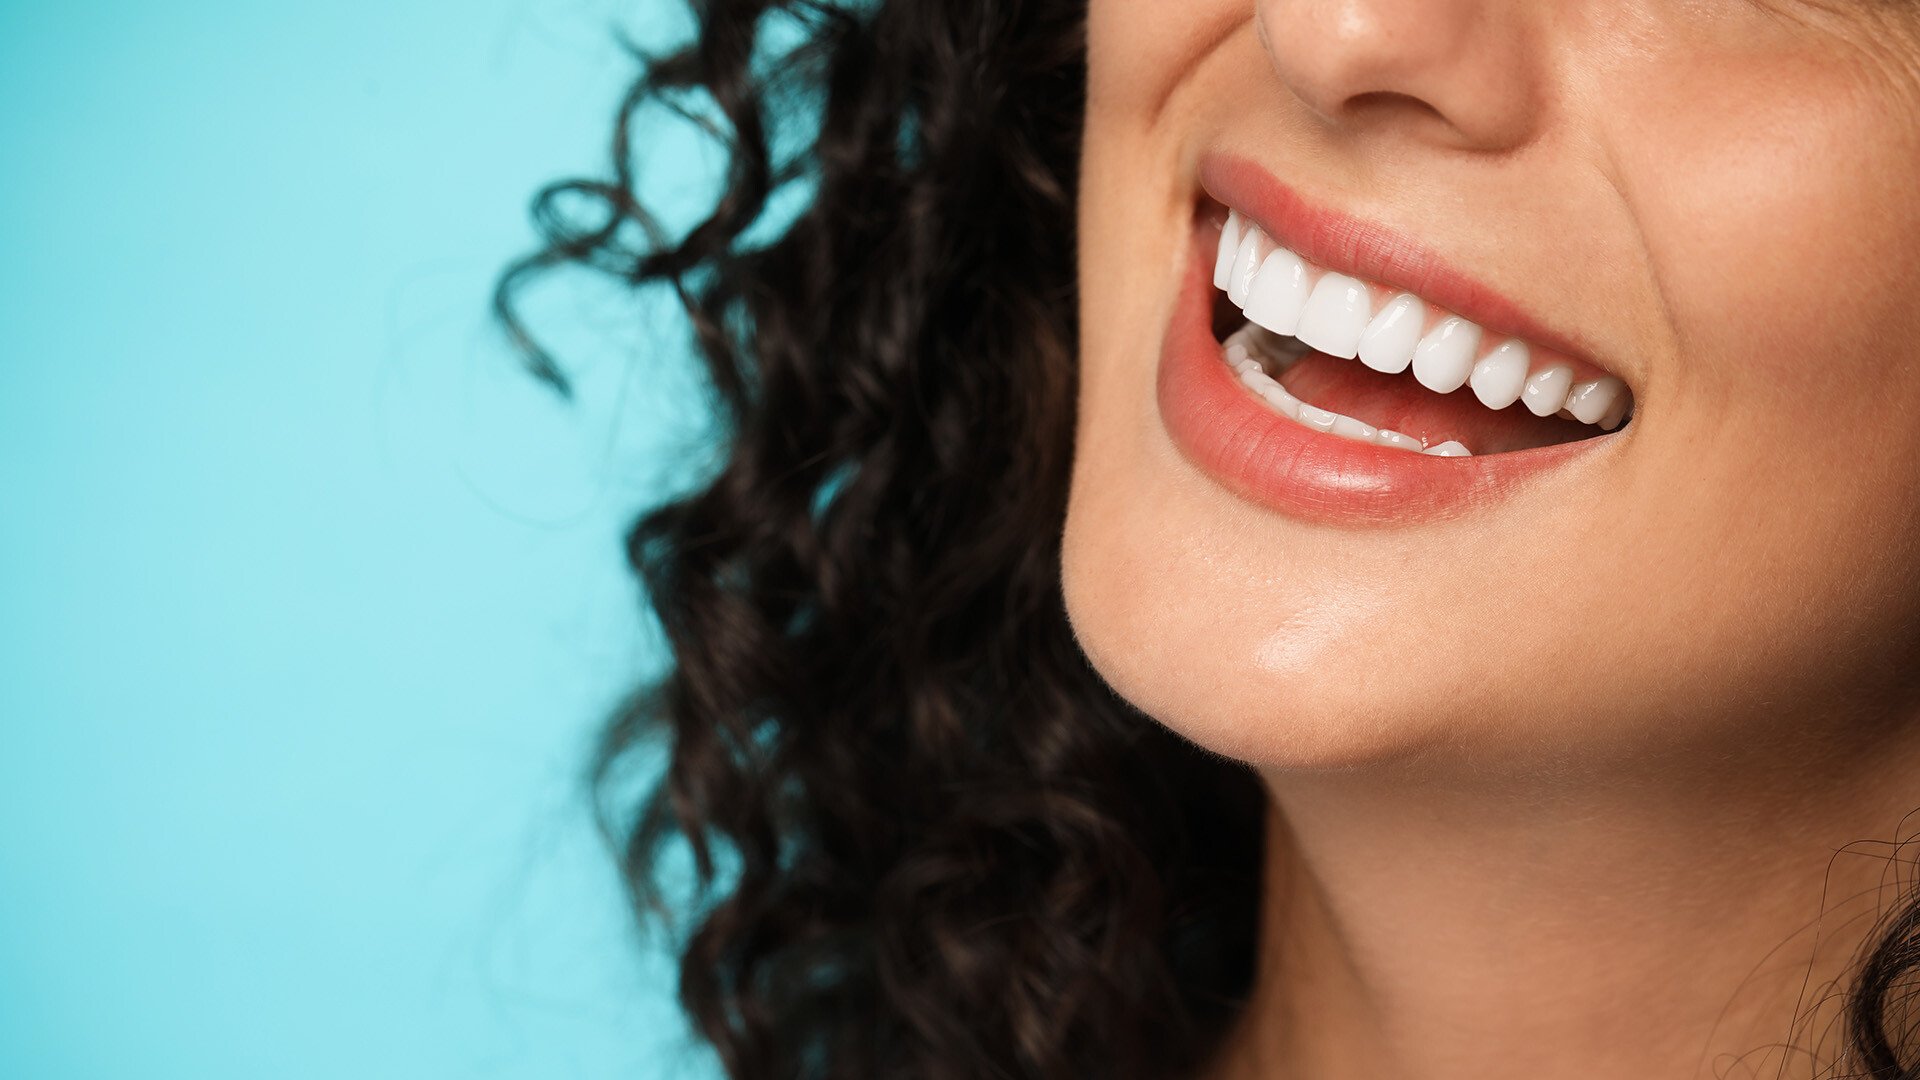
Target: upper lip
1363 249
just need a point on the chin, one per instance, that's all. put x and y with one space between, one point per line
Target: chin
1300 677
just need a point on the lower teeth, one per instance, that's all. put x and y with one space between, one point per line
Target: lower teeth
1241 350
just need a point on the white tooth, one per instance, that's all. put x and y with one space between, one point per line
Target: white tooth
1316 417
1387 437
1277 396
1252 339
1254 247
1388 343
1289 350
1229 243
1278 293
1444 358
1546 389
1351 428
1499 377
1273 352
1254 379
1618 413
1590 400
1448 449
1335 316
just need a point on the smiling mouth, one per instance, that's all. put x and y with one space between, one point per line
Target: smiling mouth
1363 361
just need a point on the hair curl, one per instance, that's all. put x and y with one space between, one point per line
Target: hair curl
951 851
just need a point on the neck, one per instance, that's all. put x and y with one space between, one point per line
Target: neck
1645 925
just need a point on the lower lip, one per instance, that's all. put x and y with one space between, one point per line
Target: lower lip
1262 456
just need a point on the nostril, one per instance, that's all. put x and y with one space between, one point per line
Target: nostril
1384 103
1434 68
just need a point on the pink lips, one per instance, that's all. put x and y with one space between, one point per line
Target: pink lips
1233 436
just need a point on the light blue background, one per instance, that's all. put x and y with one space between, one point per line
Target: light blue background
309 599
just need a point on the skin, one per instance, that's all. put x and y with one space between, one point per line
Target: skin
1550 780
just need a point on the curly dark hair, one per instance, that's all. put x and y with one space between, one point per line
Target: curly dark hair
928 840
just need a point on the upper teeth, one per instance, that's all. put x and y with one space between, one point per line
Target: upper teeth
1331 312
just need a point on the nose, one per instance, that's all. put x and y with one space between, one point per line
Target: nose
1459 73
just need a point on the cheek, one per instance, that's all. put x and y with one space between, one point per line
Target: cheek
1138 51
1783 226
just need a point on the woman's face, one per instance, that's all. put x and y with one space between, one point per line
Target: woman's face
1714 202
